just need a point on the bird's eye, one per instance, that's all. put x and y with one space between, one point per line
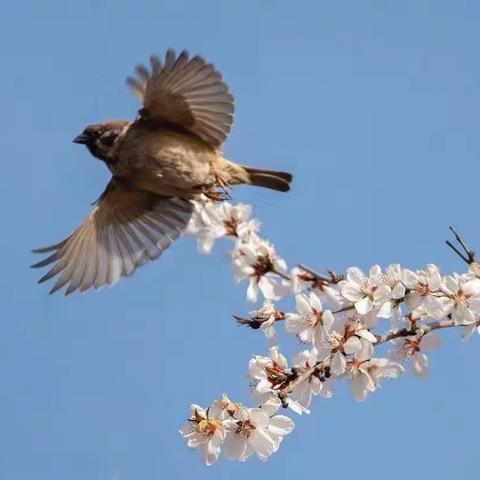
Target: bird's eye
90 133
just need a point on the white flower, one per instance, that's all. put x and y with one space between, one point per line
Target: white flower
311 324
350 337
412 348
205 431
362 351
365 376
367 293
350 343
226 220
252 430
393 278
338 363
379 368
463 298
422 287
257 262
200 218
268 373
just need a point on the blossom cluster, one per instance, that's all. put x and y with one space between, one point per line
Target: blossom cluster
239 430
340 321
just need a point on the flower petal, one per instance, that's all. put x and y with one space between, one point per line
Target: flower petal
234 447
338 364
352 345
281 425
364 306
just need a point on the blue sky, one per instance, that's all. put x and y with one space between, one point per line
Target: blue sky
374 106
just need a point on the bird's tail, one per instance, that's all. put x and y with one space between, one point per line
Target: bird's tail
272 179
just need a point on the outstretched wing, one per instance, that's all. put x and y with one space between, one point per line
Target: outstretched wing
125 229
186 92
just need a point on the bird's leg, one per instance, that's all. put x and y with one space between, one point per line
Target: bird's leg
223 184
219 191
217 195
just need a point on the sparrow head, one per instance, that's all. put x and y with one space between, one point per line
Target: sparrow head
100 138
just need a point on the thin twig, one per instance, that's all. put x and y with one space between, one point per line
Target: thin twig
282 275
346 308
333 277
469 255
314 274
460 254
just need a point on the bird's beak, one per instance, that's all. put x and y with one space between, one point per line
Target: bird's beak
82 138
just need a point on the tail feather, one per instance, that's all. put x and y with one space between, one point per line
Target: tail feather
274 180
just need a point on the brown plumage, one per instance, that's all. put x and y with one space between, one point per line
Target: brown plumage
159 162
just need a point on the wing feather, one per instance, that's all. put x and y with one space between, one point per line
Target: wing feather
125 229
188 92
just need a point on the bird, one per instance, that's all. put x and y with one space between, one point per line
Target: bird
160 162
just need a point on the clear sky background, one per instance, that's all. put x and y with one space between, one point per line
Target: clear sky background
373 105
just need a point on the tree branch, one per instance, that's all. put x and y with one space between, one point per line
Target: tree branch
422 329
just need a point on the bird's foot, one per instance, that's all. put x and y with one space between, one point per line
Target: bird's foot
222 184
217 195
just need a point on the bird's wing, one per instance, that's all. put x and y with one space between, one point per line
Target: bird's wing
125 229
185 92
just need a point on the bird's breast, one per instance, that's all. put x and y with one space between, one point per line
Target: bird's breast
166 162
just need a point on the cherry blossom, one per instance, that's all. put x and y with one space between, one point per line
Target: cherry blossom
257 262
350 337
252 430
268 373
463 298
226 220
364 375
311 324
205 431
413 348
422 287
367 293
393 278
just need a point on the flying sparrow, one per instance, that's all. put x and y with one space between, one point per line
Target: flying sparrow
169 155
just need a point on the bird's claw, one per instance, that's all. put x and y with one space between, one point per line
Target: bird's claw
217 195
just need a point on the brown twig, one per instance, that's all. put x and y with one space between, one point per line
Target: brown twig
468 255
346 308
282 275
333 277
